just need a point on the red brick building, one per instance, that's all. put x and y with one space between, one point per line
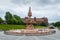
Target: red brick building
35 20
38 20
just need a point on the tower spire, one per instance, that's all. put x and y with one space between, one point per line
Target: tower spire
29 13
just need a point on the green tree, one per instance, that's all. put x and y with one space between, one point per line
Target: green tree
42 24
52 24
57 24
1 20
8 17
18 19
13 19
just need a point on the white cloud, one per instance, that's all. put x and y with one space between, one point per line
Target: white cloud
40 8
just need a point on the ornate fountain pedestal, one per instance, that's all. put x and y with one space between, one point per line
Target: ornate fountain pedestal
29 22
29 26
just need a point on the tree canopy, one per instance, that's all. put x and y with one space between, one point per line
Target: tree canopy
12 19
42 24
57 24
1 20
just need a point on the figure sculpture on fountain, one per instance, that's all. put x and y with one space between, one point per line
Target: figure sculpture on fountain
29 22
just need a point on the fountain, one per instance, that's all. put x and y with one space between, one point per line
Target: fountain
29 22
29 28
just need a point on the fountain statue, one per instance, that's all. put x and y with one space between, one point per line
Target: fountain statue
29 22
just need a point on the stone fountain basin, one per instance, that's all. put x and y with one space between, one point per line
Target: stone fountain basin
30 32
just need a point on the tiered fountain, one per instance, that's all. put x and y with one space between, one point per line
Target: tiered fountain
29 22
29 28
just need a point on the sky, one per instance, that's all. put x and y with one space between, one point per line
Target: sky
40 8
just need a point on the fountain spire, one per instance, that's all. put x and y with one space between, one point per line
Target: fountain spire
29 13
29 22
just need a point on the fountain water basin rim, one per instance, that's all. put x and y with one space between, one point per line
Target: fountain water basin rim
30 32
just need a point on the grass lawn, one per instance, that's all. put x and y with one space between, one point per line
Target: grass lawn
9 27
40 26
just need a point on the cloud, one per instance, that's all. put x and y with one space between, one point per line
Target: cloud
35 2
40 8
